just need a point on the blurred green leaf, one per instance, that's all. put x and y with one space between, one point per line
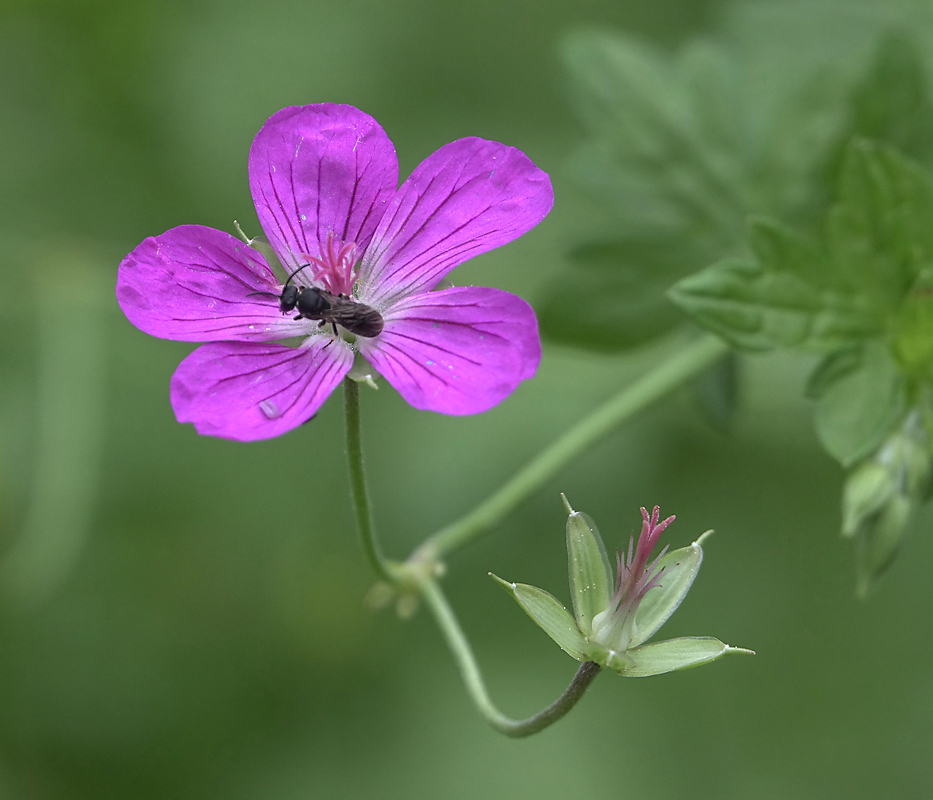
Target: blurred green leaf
831 368
663 127
879 239
879 235
857 410
892 102
681 149
765 304
615 297
913 329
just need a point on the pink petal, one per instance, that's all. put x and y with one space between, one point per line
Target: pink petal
192 283
457 351
247 391
468 197
318 169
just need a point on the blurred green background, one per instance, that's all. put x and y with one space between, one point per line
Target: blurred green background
183 617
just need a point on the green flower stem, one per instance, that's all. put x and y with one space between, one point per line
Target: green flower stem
687 364
469 671
364 519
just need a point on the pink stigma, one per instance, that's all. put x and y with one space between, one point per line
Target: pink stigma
634 575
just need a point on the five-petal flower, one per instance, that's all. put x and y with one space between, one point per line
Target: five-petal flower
325 182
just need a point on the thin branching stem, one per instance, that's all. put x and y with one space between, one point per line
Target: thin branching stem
686 365
473 679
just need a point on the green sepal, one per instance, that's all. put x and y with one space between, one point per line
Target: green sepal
680 569
675 654
590 571
362 372
262 246
611 659
548 613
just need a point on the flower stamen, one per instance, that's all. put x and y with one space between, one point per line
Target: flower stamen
336 268
635 577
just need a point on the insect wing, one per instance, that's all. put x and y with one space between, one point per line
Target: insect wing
357 318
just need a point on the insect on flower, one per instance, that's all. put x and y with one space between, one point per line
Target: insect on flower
336 309
361 260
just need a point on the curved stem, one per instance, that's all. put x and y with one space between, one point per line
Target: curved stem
364 522
469 671
685 365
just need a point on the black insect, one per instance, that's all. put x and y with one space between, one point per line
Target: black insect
329 308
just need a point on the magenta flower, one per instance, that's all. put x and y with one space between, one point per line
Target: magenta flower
325 182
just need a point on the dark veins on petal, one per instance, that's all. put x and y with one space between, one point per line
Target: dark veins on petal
437 348
291 183
437 376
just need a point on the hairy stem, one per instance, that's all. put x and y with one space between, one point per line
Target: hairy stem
364 521
473 679
687 364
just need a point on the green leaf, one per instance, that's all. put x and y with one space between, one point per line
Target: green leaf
612 298
680 569
913 329
683 147
833 367
892 102
706 136
666 138
879 234
549 615
759 310
860 408
778 249
786 297
675 654
590 571
609 69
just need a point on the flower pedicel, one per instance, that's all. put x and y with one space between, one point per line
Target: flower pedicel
325 182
